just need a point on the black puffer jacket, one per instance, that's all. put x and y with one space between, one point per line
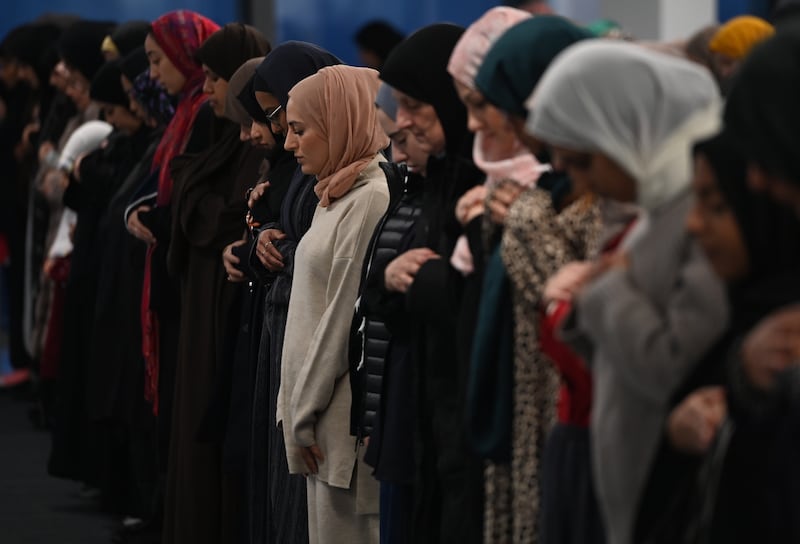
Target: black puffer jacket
370 333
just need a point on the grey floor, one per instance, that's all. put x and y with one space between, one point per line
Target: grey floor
35 508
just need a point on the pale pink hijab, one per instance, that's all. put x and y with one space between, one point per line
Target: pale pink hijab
465 61
469 52
339 101
467 57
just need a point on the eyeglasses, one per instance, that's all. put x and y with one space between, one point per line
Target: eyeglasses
272 118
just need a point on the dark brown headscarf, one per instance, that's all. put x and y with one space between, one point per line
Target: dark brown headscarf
239 82
232 45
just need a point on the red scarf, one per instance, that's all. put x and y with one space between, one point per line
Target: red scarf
575 394
179 34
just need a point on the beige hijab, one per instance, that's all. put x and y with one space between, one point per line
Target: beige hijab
339 101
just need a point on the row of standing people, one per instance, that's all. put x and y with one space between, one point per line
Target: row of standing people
483 345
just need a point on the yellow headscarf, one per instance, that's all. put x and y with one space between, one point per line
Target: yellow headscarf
108 46
738 36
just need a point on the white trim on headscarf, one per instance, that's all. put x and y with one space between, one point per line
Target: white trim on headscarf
643 109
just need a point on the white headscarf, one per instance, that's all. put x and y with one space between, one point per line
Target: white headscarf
86 138
642 109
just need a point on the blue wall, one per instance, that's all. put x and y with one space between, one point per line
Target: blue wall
727 9
15 12
332 24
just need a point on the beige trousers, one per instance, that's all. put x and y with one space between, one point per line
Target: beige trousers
346 516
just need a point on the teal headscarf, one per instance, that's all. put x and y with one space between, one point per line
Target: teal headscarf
517 61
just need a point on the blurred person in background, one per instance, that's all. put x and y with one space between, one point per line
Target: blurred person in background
547 226
651 306
731 44
375 40
761 114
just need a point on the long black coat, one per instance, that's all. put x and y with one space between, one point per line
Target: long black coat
449 484
80 445
278 496
206 215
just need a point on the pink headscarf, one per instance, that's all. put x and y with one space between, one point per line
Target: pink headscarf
340 102
465 61
469 52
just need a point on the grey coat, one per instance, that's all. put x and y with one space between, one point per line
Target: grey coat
644 329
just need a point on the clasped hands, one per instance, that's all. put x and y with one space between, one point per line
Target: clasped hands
573 277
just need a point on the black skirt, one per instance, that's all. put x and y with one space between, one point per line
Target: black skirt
570 512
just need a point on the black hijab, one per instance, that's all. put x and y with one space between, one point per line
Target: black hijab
106 86
134 63
248 101
130 35
772 237
378 37
418 68
34 45
239 83
771 233
762 111
80 44
230 46
287 65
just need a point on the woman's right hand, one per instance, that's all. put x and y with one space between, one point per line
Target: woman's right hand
565 284
229 260
501 200
693 424
471 204
400 273
137 228
312 457
54 183
771 347
256 194
45 149
266 251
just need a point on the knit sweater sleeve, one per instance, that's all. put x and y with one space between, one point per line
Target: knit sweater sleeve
326 359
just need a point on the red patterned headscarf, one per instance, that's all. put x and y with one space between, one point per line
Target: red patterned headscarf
180 34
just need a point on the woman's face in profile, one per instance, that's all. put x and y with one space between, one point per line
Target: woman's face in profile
421 120
713 224
310 148
162 69
499 140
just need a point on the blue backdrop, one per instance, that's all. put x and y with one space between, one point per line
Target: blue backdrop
330 23
731 8
15 12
